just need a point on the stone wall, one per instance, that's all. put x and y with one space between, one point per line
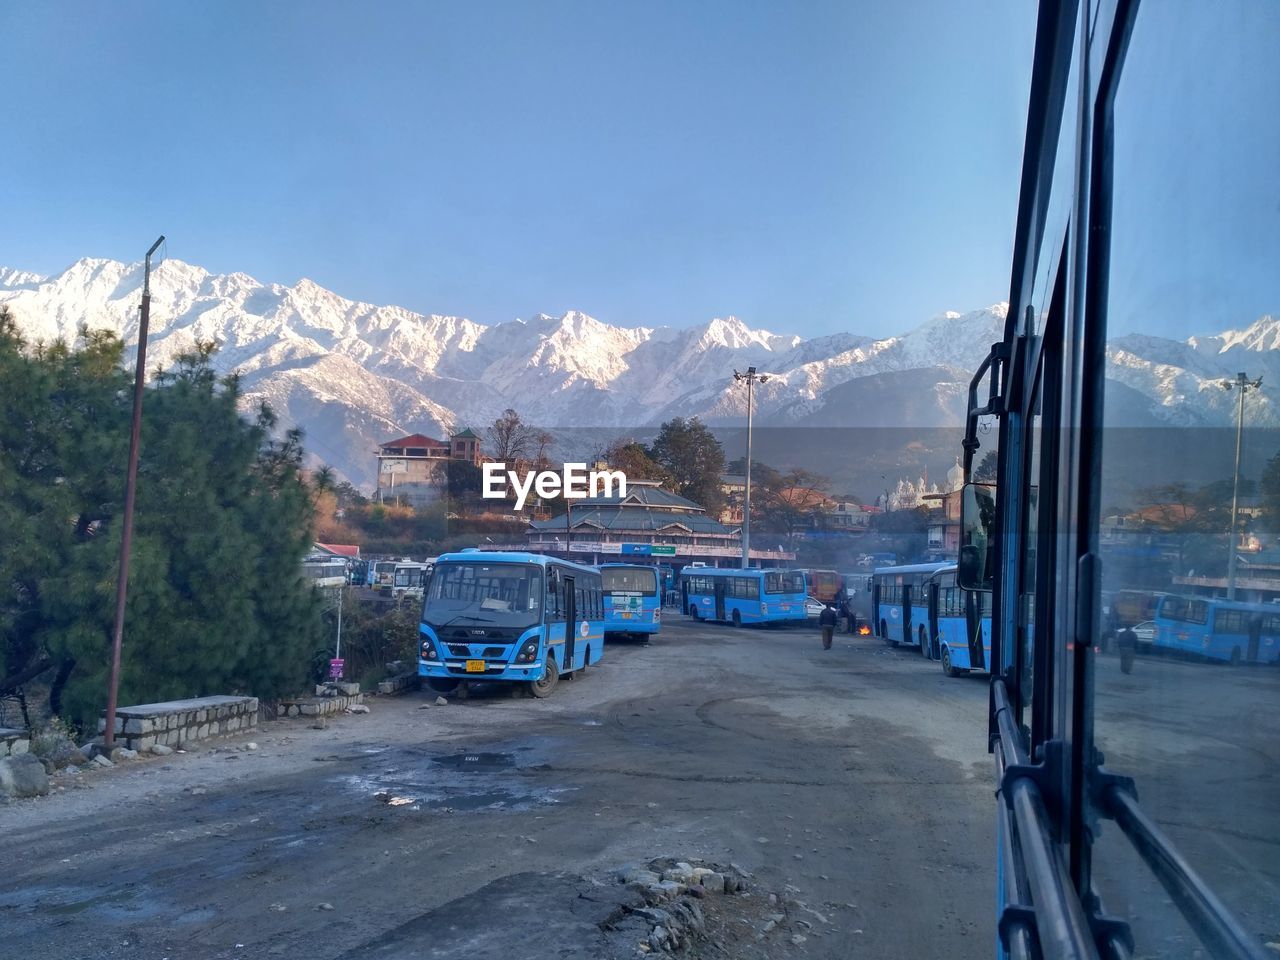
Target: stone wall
320 706
401 683
181 721
13 742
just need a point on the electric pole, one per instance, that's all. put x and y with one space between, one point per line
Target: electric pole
1244 385
130 489
751 378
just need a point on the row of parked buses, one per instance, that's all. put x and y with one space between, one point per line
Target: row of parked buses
922 605
531 619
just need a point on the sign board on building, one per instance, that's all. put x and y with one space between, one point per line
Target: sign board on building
637 549
663 551
592 547
394 466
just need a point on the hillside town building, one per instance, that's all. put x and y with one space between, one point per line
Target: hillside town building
415 469
649 524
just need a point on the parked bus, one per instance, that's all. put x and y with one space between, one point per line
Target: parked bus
325 571
822 584
632 598
900 603
382 575
743 596
1218 629
410 578
518 617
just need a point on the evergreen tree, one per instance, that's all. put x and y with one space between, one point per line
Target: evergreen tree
216 603
693 459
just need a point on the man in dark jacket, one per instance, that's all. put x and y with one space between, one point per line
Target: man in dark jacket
1127 644
827 621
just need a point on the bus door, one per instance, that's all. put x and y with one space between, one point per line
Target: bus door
1255 638
906 611
720 585
570 624
931 628
973 601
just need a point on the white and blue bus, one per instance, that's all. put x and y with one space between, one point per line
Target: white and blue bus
741 596
509 616
632 599
1218 629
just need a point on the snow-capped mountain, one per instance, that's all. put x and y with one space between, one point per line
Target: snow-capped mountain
354 374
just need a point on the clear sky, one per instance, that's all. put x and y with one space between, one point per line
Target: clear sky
809 167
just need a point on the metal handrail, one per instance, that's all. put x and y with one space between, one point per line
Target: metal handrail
1216 926
1061 925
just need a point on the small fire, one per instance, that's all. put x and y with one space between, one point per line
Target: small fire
864 631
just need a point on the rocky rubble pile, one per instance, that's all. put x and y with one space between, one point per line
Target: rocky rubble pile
672 918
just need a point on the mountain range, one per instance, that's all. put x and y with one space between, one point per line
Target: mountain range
355 374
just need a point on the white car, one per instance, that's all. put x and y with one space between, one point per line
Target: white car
813 607
1145 632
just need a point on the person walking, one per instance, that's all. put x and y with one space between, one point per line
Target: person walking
827 621
1127 644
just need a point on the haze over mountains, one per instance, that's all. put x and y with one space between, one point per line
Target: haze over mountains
354 374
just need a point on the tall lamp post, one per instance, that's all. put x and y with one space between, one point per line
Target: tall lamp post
751 378
130 488
1244 385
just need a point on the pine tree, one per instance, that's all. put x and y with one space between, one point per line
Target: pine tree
216 603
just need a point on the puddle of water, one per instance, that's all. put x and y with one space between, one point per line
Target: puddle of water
130 903
476 761
472 781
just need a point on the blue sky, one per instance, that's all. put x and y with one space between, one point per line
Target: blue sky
807 167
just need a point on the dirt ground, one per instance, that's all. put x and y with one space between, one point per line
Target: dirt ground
853 785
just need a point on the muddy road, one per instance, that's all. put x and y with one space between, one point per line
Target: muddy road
854 781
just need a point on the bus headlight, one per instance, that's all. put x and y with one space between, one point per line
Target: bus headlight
427 651
528 653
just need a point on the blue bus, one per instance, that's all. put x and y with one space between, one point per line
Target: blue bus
900 603
517 617
1218 629
743 596
959 624
632 598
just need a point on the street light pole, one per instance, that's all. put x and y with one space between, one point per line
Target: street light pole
130 489
751 378
1244 385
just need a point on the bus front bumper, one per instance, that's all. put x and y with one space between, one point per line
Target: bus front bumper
456 669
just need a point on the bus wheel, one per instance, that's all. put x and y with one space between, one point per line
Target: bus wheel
1235 656
737 619
442 684
884 630
693 610
542 688
947 668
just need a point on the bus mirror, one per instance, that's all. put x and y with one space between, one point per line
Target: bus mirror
977 529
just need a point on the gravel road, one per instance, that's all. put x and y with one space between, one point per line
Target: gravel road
854 784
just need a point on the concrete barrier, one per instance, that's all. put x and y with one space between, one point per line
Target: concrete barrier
182 721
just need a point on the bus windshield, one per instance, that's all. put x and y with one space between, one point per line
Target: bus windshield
502 594
629 580
783 581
